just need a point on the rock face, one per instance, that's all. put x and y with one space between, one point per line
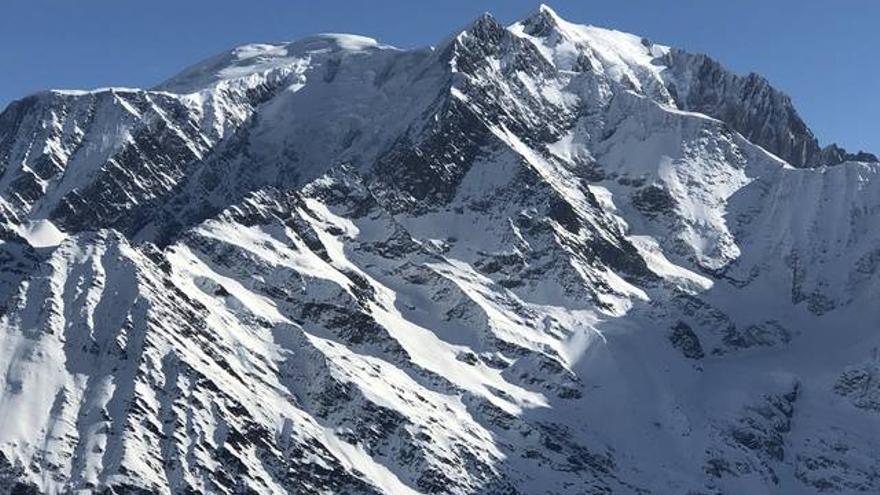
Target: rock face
761 113
748 104
542 258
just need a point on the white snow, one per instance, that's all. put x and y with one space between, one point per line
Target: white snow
474 338
41 233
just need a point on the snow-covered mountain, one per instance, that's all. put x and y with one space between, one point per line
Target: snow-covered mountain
538 259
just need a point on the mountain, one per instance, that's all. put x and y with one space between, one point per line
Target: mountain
537 259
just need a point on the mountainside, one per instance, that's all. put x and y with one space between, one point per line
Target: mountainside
538 259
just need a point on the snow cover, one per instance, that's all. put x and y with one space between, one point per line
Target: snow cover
263 59
510 264
41 233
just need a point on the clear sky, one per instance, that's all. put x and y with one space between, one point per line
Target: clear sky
824 53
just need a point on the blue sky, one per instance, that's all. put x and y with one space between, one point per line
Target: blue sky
822 53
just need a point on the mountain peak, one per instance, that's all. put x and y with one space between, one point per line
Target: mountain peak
544 8
527 262
547 11
484 28
260 58
541 22
484 23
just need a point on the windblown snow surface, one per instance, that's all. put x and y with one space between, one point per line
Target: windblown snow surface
538 259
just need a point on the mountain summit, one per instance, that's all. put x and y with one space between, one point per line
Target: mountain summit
536 259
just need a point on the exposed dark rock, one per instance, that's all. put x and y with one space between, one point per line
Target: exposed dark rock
686 341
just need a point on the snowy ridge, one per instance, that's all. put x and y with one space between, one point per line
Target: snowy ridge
263 61
542 258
